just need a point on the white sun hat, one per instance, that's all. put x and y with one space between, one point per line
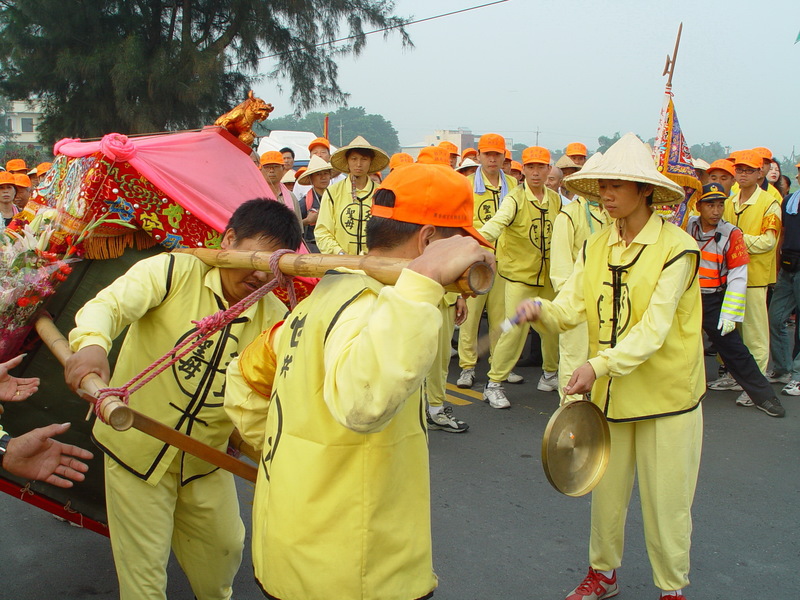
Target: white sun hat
628 160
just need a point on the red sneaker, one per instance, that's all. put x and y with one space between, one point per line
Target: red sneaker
595 586
673 597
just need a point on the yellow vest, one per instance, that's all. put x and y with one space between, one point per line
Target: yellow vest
486 203
672 380
342 220
586 219
188 396
771 190
753 220
338 514
523 249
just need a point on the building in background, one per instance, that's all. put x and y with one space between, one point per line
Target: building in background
22 122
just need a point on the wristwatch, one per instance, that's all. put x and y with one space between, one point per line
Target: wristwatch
4 446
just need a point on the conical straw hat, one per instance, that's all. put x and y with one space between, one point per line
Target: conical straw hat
379 161
628 160
315 165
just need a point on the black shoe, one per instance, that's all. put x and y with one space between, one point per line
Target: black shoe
772 407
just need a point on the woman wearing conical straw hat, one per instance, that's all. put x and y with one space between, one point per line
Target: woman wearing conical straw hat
635 284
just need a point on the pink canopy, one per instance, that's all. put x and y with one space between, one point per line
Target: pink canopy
208 172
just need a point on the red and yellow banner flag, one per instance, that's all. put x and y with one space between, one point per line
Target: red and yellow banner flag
325 127
673 159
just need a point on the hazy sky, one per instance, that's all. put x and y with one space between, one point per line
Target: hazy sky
581 69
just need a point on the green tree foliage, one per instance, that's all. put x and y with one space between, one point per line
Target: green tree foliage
149 65
354 121
604 143
709 151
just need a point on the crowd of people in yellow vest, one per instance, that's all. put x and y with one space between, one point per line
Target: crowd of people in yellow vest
16 185
338 395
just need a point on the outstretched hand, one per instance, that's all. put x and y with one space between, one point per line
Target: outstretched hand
14 389
35 455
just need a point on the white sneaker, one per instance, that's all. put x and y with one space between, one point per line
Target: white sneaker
548 382
774 377
744 400
495 395
514 378
725 383
466 379
791 389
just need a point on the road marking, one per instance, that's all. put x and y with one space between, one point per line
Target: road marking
457 401
464 391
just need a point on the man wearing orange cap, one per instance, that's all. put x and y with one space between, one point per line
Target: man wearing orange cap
721 171
23 185
489 186
523 226
345 209
356 524
272 168
507 163
320 147
8 191
398 159
434 155
452 151
578 220
758 215
17 166
516 171
766 158
468 153
577 153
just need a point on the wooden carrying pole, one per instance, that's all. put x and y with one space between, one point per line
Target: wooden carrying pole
122 417
476 280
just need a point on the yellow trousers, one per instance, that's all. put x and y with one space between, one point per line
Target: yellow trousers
468 332
436 381
199 520
511 342
573 351
755 327
665 452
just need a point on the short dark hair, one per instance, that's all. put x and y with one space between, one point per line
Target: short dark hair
264 218
362 152
287 149
387 233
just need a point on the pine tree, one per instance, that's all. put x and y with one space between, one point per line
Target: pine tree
151 65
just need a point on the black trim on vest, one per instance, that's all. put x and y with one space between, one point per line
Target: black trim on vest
667 414
170 269
674 259
340 311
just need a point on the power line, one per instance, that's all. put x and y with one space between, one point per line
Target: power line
414 22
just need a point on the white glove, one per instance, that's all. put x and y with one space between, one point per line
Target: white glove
726 325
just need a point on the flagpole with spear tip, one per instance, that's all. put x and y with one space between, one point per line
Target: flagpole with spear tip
669 68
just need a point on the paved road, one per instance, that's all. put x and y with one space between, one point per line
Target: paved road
500 531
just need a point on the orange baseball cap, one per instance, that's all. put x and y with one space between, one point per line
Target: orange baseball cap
434 155
449 146
722 164
43 168
491 142
430 194
16 164
749 158
320 141
576 149
272 157
516 166
299 173
21 180
764 153
400 158
467 152
508 154
536 154
7 178
734 154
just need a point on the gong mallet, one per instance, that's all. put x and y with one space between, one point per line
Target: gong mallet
122 417
476 280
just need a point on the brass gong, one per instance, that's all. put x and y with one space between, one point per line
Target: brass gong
575 448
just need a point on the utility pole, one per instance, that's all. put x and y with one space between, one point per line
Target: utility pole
537 132
340 134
